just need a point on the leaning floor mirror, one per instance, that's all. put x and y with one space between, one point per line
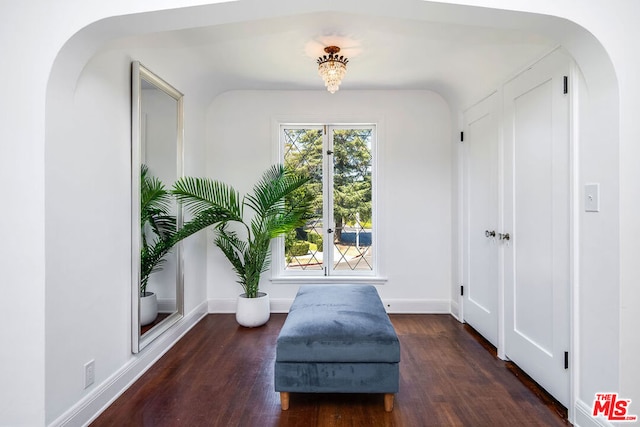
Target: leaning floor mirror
157 294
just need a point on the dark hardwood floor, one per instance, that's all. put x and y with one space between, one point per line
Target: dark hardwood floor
221 374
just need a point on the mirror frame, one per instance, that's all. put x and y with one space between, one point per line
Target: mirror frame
139 73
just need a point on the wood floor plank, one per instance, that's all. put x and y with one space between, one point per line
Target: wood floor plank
221 374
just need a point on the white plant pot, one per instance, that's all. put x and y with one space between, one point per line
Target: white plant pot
148 308
252 312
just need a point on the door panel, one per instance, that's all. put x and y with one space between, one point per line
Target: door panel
481 168
533 303
536 216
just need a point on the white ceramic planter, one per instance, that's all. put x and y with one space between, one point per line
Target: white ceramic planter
148 308
252 312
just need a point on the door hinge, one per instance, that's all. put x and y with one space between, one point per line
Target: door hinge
566 85
566 360
461 136
329 152
324 129
461 290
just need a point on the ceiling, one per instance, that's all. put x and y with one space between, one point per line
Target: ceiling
462 62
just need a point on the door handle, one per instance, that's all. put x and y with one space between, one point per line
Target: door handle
488 233
504 236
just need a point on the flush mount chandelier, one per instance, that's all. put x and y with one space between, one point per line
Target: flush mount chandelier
332 68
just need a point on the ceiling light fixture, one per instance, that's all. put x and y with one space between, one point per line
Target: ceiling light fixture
332 68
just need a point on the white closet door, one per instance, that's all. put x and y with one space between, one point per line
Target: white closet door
481 168
536 216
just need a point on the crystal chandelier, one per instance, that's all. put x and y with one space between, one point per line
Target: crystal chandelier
332 68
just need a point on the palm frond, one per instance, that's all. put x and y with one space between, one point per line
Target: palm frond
152 258
154 197
206 218
257 261
233 248
202 194
274 186
282 224
162 225
157 225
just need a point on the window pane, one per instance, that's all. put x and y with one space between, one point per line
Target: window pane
352 191
303 152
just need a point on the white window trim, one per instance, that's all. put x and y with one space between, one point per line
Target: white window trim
327 280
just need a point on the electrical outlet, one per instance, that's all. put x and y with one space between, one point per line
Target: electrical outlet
89 373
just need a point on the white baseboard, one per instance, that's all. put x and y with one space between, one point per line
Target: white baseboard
94 403
455 310
228 305
166 305
222 305
406 306
583 417
416 306
281 305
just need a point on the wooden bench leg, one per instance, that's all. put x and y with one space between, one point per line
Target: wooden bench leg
388 402
284 400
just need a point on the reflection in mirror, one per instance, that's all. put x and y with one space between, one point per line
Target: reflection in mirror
157 132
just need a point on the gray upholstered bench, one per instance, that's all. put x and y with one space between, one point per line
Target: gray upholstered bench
337 339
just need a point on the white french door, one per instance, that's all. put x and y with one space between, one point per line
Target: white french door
481 214
537 218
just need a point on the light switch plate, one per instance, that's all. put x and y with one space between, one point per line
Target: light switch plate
592 198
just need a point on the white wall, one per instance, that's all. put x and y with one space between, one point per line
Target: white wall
88 223
87 183
598 283
25 280
22 162
414 180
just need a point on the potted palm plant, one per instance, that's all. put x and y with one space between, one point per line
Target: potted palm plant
158 228
159 234
279 205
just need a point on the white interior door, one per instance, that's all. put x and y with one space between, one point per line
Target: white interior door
481 263
536 216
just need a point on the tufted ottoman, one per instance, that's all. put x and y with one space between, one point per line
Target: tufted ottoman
337 339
